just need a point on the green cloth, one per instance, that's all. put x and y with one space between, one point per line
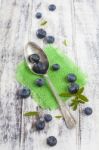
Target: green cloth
43 95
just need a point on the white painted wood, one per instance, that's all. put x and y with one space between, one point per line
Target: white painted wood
74 20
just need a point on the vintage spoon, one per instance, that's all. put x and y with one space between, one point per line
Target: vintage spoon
32 48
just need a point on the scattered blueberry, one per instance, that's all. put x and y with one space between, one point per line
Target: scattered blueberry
24 93
51 141
71 77
41 33
49 39
73 88
40 124
40 68
47 117
34 58
51 7
40 82
88 111
55 67
38 15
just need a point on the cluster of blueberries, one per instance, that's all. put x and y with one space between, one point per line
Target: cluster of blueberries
40 125
41 33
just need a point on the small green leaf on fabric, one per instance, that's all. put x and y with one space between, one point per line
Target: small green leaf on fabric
58 117
31 113
44 22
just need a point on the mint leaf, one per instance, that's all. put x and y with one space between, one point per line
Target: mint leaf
58 117
65 42
31 113
66 95
84 98
80 91
44 22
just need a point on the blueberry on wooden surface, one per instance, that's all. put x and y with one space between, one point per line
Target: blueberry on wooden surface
73 88
88 111
51 141
40 82
41 33
47 117
49 39
34 58
24 93
40 124
51 7
55 67
71 77
38 15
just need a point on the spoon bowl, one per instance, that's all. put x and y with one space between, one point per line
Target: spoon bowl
32 48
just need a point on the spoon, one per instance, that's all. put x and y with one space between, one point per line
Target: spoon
32 48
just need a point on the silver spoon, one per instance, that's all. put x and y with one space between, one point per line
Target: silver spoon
32 48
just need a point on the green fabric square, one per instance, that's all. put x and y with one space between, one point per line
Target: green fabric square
43 95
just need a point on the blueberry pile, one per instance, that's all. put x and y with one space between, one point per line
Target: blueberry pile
40 125
41 33
73 87
38 66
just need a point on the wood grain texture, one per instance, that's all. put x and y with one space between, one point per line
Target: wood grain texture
74 20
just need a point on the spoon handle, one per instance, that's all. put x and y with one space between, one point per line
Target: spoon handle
69 119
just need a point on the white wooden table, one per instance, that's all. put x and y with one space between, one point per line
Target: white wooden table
74 20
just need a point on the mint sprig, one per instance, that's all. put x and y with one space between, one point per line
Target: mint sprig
77 99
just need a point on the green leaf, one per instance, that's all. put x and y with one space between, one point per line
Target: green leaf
80 91
75 107
58 117
82 102
44 22
83 97
65 42
66 95
31 113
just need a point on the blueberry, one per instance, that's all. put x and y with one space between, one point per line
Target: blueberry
40 124
51 7
71 77
24 93
73 88
55 67
47 117
34 58
40 68
41 33
88 111
49 39
51 141
40 82
38 15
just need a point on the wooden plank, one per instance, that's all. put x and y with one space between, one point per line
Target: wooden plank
86 45
77 22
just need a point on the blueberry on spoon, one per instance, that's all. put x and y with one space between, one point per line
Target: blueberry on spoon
40 68
34 58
